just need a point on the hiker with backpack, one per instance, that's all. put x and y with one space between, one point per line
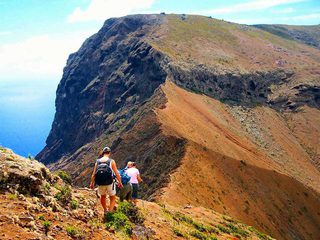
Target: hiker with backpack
125 193
104 172
135 179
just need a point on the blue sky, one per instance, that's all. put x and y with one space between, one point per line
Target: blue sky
36 36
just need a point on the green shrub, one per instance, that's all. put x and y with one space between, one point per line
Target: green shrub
41 217
46 188
236 230
118 221
74 204
198 235
212 237
177 232
200 227
223 229
262 236
64 176
72 231
64 195
46 224
179 217
12 196
131 211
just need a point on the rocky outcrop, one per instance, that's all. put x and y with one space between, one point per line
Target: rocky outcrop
23 175
104 84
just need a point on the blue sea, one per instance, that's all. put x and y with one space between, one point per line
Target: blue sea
26 114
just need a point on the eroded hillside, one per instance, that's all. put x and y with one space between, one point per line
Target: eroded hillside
215 114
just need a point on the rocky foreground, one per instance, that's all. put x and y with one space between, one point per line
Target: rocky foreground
38 204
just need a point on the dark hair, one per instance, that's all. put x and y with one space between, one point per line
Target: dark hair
134 164
100 154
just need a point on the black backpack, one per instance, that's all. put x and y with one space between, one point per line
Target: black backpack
104 173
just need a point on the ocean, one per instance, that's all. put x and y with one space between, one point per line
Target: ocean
26 114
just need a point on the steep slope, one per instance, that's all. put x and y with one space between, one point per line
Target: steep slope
215 114
309 35
45 210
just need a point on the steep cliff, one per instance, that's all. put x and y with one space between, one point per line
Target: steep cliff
214 113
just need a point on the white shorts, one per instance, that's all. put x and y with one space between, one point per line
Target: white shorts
107 189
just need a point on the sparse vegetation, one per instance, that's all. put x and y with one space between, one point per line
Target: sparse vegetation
178 233
197 234
41 217
12 196
118 221
46 224
74 204
64 195
224 229
73 231
123 219
64 176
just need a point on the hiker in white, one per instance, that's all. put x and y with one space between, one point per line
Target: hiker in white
135 179
103 175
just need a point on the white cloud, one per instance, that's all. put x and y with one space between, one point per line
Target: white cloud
103 9
283 11
299 19
38 56
251 6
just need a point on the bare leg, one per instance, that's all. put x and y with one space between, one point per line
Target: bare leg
103 202
112 203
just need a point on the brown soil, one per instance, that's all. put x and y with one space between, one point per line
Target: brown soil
224 169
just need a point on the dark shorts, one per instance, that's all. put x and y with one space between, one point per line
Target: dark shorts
125 192
135 188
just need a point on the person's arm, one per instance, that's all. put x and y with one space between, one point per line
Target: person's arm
92 176
115 170
139 178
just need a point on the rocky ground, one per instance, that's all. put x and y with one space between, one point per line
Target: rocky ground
37 204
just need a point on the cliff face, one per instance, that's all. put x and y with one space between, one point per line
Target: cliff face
213 113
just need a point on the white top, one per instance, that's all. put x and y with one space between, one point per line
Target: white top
133 173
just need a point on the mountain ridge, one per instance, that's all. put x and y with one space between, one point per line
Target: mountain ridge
162 89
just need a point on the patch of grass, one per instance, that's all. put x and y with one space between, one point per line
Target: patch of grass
74 204
131 211
236 230
46 224
262 236
73 231
12 196
118 221
179 217
224 229
46 188
64 195
259 234
178 233
41 217
124 218
197 234
64 176
95 223
212 237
